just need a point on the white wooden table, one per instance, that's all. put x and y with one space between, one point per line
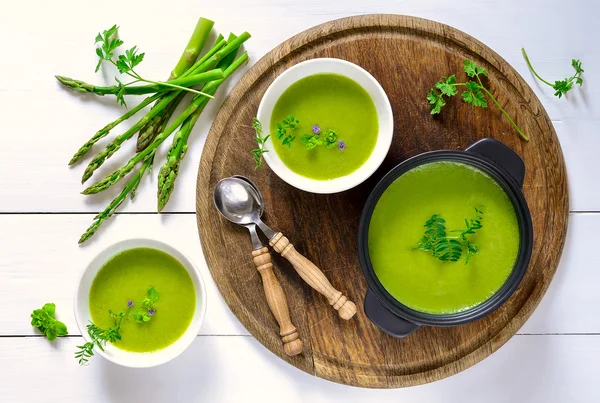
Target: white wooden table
553 358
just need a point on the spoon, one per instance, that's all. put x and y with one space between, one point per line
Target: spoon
242 203
234 212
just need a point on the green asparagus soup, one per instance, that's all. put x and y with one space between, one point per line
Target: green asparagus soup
325 103
127 277
413 275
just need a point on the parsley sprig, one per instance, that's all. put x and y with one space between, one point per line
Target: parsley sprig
44 320
450 248
561 87
109 41
475 92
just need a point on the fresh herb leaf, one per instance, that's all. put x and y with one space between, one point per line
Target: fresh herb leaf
446 86
436 100
141 316
101 336
151 298
561 87
261 139
126 62
288 124
474 94
328 138
144 315
473 70
44 320
109 42
121 94
436 241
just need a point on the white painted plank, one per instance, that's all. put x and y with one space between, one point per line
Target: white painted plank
533 369
43 124
40 262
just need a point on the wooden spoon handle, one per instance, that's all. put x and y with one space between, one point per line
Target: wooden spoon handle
277 302
313 276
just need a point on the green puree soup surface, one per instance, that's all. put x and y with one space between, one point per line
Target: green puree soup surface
330 101
127 276
416 278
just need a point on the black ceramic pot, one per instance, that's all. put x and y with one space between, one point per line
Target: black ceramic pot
507 168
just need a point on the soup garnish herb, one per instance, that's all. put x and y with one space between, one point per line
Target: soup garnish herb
101 336
474 93
560 86
285 128
144 315
450 248
44 320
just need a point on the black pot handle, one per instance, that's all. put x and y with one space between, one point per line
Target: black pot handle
502 155
386 320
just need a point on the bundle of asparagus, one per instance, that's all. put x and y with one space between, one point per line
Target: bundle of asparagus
208 72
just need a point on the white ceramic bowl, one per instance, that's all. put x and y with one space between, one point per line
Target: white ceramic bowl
382 106
126 358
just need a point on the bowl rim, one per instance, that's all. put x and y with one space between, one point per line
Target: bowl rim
515 194
137 359
384 115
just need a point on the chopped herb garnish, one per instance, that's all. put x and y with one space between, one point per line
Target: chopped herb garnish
144 315
101 336
450 248
284 132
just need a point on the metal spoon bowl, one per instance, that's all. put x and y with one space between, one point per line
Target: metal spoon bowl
238 201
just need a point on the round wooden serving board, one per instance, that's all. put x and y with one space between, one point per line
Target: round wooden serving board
407 56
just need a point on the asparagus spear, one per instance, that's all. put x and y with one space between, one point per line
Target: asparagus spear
170 169
207 62
190 55
193 48
195 44
199 102
158 123
179 83
106 129
114 205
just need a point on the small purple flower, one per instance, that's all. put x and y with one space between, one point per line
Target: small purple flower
341 145
130 303
151 312
316 129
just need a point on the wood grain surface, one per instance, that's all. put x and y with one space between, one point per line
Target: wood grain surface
406 55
